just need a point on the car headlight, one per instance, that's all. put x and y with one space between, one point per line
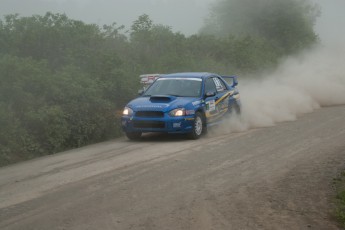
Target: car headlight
127 111
178 112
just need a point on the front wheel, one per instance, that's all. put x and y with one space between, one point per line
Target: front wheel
198 126
133 135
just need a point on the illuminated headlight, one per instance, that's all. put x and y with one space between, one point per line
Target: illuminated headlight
127 111
177 113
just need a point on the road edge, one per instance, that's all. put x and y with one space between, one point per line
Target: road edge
339 211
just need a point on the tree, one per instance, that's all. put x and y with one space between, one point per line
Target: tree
142 24
287 24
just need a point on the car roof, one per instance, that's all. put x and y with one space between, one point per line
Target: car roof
188 75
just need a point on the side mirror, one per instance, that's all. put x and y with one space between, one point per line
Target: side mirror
141 92
210 94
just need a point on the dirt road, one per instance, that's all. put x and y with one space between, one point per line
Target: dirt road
269 178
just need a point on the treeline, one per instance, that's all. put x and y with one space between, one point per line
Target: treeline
63 83
288 25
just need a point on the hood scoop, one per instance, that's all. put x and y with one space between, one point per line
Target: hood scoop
162 98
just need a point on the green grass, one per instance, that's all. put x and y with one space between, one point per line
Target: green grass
340 210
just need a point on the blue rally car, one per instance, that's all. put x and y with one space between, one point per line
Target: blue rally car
181 103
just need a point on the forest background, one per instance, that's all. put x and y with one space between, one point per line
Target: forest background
63 82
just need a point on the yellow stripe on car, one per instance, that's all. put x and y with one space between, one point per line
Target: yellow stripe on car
225 96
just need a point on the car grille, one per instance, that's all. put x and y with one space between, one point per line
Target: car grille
149 114
149 124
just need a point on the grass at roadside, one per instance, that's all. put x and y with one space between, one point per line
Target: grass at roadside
340 211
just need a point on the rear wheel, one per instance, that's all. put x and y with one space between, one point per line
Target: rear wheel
236 108
133 135
198 126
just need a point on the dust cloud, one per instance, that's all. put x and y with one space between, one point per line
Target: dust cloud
300 85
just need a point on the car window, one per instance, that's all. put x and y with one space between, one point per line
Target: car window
220 86
210 85
180 87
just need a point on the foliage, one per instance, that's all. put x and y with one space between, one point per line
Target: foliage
340 185
63 83
286 24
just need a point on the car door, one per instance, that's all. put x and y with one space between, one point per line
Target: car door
217 104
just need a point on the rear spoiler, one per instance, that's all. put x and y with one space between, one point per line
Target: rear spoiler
231 80
148 79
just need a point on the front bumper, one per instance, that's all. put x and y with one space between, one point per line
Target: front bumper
167 124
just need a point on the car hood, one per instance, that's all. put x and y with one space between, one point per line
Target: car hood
163 103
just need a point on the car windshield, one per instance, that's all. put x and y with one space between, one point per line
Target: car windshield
179 87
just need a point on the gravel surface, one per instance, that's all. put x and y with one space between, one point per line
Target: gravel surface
270 178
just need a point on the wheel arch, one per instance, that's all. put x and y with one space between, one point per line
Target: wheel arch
203 113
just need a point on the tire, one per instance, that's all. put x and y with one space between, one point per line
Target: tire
198 127
237 109
133 135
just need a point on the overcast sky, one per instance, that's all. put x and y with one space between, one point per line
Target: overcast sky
331 25
186 16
